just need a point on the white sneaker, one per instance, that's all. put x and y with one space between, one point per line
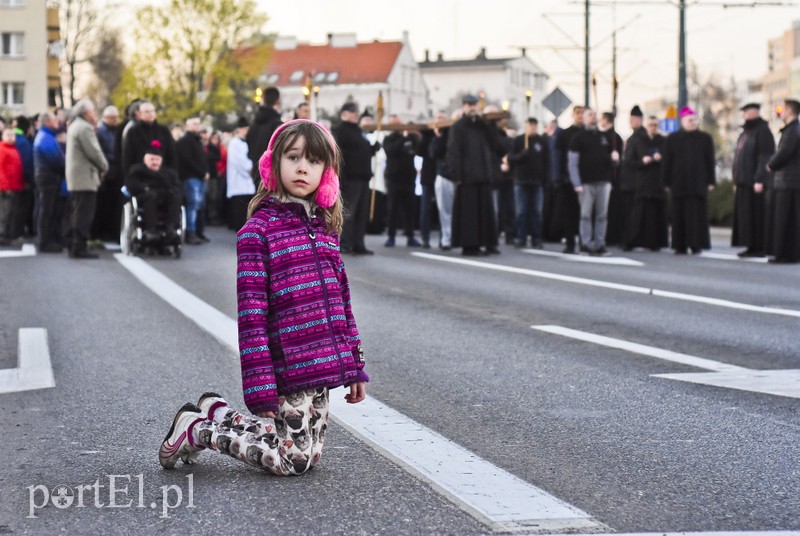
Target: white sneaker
179 442
208 403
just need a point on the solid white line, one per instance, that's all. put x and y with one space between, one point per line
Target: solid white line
34 370
614 286
486 491
727 257
27 250
491 494
221 326
636 348
617 261
534 273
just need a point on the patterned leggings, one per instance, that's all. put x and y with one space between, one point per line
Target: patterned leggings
291 444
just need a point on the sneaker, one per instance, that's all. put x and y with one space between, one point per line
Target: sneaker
208 403
413 243
389 242
203 237
192 239
569 250
179 440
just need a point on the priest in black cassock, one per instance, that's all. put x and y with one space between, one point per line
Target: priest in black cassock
754 148
786 202
471 156
687 169
647 225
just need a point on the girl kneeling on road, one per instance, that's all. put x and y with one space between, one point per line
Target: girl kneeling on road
297 335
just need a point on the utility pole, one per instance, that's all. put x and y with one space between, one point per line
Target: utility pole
682 93
586 56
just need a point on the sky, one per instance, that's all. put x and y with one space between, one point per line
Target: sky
724 42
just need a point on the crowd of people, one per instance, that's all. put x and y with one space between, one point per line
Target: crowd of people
62 177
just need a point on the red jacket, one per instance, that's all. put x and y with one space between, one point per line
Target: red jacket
11 175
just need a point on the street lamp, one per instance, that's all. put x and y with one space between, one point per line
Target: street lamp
528 95
315 109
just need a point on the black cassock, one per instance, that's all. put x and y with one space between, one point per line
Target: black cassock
753 150
648 225
566 207
786 197
687 169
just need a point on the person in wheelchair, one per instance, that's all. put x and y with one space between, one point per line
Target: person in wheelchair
156 187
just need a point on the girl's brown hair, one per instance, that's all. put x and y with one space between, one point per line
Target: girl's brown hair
319 145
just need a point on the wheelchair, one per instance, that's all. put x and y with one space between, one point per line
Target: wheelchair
131 236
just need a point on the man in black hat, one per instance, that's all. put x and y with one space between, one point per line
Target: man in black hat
471 154
356 171
754 148
154 186
623 197
786 202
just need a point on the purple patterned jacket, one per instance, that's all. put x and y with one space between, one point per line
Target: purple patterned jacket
296 328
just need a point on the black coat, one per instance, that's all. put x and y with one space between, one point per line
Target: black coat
137 140
400 152
594 147
563 141
687 165
192 161
265 123
530 166
472 151
438 151
629 169
753 149
786 162
356 152
428 173
141 178
647 179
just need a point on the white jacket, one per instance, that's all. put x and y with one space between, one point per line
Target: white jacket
238 170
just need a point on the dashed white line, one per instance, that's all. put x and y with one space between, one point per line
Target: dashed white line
34 370
27 250
613 286
617 261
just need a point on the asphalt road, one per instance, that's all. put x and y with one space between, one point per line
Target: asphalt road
448 345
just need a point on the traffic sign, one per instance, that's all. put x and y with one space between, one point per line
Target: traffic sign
556 102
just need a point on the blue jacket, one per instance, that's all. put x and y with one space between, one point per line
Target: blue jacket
25 150
48 158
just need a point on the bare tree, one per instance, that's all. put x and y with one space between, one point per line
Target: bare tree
79 20
107 62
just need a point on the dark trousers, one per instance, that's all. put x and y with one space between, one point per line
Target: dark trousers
48 221
82 206
9 207
237 211
355 195
426 212
400 205
529 200
504 209
787 225
108 215
749 219
157 199
568 212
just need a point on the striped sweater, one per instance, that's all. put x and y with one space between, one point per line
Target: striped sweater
296 327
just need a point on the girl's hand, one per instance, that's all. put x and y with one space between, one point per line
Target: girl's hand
358 392
266 414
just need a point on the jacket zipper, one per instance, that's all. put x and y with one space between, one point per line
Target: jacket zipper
312 237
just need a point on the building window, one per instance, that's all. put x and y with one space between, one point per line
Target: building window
319 77
12 3
333 77
13 93
13 44
296 76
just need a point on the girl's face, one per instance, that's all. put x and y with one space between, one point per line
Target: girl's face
300 173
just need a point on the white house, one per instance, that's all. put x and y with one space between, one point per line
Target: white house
345 70
503 81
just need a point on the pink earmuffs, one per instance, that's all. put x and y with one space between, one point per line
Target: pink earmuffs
328 190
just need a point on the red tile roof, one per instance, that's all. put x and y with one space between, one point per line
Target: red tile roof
362 64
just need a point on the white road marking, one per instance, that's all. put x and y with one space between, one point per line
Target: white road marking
784 383
641 349
480 488
34 370
619 261
112 246
728 257
27 250
613 286
722 533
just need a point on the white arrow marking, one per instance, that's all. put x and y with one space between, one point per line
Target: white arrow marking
34 370
27 250
619 261
772 382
